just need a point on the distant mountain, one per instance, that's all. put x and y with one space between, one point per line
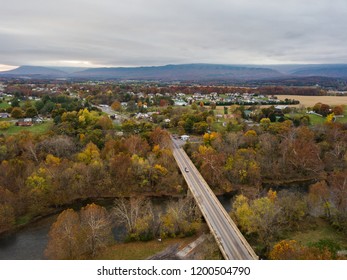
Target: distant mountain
334 71
186 72
183 72
34 71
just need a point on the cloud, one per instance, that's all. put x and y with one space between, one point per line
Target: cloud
157 32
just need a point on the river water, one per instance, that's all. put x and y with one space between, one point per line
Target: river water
30 242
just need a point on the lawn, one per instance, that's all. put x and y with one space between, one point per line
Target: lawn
314 119
4 105
35 129
141 250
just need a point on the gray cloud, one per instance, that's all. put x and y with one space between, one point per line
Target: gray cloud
157 32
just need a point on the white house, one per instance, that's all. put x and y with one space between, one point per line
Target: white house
184 137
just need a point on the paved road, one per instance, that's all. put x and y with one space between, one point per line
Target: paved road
229 239
109 111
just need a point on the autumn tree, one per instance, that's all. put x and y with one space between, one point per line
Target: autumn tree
40 190
261 216
318 199
160 137
182 218
117 106
7 217
300 154
120 170
293 206
211 166
65 237
17 113
338 110
90 155
105 123
292 250
243 168
136 145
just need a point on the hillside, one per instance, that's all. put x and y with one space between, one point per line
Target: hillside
334 71
34 71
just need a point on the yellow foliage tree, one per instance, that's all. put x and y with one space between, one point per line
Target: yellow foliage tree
90 155
330 118
4 125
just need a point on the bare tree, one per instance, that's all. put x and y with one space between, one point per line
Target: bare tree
136 213
96 226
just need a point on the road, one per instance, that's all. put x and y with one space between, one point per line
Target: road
230 240
109 111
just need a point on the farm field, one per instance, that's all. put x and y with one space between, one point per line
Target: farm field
309 101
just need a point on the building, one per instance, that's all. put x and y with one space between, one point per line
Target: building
4 115
184 137
180 103
25 122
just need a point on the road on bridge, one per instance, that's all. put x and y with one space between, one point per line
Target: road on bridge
230 240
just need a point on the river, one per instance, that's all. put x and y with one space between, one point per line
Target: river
30 242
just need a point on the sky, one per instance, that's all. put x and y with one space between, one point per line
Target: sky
97 33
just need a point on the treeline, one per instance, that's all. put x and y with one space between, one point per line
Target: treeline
283 90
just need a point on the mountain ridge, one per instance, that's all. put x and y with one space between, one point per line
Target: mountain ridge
183 72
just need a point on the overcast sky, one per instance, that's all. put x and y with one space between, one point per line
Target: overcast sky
157 32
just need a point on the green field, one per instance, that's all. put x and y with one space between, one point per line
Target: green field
35 129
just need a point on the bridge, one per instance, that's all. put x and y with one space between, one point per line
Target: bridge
230 240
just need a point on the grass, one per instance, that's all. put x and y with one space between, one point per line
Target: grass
4 105
140 250
322 230
344 119
35 129
314 119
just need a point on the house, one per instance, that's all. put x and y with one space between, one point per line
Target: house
38 120
4 115
180 103
281 107
24 122
184 137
